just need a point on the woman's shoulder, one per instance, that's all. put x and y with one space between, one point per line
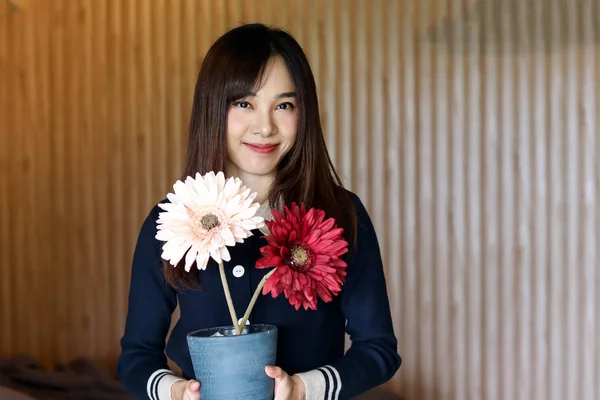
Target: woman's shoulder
151 213
359 208
149 225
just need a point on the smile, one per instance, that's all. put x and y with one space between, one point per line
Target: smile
262 148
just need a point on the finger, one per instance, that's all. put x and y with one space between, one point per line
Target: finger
274 372
191 396
193 386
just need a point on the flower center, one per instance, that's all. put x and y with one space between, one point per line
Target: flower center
299 255
301 258
209 221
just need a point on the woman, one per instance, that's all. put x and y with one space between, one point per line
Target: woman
255 116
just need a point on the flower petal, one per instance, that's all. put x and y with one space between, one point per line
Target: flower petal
220 180
190 257
225 256
215 253
175 254
228 237
202 260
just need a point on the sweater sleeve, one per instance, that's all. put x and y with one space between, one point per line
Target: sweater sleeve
142 365
372 358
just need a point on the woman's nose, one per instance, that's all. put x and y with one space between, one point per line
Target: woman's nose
264 124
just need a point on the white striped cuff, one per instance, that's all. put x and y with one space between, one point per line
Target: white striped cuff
159 384
322 383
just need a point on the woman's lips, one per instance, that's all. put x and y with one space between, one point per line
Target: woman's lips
262 148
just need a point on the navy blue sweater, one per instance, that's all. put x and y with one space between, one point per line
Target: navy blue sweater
307 340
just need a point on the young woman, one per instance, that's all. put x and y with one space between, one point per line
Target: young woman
255 116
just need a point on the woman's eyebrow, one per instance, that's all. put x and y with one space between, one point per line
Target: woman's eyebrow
279 96
283 95
286 94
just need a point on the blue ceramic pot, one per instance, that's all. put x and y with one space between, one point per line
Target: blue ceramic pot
232 367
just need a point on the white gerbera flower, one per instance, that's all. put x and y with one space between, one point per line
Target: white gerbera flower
205 215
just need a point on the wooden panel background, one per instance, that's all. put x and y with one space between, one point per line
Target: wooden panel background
469 128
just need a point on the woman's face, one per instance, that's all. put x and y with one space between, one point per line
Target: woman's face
261 128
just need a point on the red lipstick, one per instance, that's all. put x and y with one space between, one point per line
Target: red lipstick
262 148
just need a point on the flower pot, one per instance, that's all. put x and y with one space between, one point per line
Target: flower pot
232 366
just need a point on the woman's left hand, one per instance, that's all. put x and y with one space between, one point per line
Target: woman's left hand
286 387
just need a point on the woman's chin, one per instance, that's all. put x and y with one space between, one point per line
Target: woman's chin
258 171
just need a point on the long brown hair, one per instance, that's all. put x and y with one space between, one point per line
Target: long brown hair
232 68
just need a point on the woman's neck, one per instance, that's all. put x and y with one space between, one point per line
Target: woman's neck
256 183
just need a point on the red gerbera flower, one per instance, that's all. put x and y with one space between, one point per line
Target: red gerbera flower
306 250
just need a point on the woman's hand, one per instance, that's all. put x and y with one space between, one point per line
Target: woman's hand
286 387
185 390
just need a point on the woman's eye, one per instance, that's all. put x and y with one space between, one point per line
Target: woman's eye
285 106
241 104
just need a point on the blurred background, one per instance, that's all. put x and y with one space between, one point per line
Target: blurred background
469 128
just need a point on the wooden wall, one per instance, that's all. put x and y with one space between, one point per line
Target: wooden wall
469 128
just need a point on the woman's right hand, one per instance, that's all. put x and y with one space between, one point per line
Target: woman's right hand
185 390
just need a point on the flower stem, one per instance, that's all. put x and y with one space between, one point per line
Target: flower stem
228 298
255 297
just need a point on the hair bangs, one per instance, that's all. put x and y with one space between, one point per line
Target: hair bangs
247 66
